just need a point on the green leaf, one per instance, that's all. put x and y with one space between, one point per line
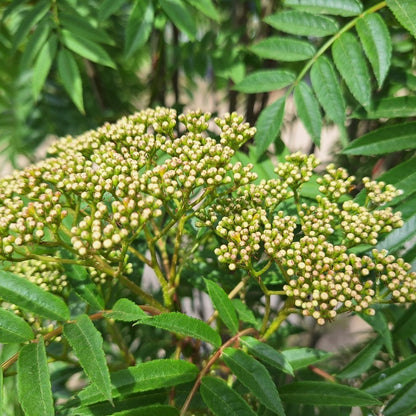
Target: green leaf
376 41
363 360
207 7
318 393
139 27
150 375
265 81
384 140
180 16
267 354
31 18
85 288
43 65
255 377
283 49
1 391
222 400
108 7
391 107
87 49
268 125
302 357
308 111
405 12
403 401
302 23
379 323
13 329
33 383
126 310
75 23
336 7
223 305
184 325
34 44
153 410
71 78
350 62
244 313
399 236
87 343
327 89
26 295
391 379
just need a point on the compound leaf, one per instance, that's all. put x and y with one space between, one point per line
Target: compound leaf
405 12
391 107
283 49
126 310
265 81
13 329
336 7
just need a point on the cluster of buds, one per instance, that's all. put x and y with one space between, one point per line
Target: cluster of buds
312 249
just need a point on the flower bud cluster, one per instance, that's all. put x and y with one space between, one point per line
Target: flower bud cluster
379 193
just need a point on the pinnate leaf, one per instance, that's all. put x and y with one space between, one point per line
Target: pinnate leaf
268 125
33 382
13 329
327 89
126 310
223 400
405 12
223 305
181 17
283 49
391 107
318 393
351 64
375 38
302 357
265 81
307 107
336 7
26 295
87 344
384 140
185 325
302 23
244 312
146 376
253 375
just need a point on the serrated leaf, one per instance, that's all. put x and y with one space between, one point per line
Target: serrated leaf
265 81
146 376
244 313
255 377
363 360
222 400
391 107
71 78
350 62
327 89
139 27
181 17
268 125
283 49
87 343
207 7
33 383
302 23
223 305
384 140
336 7
43 65
26 295
109 7
267 354
13 329
391 379
402 401
33 16
34 44
405 13
185 325
302 357
307 107
318 393
375 38
126 310
87 49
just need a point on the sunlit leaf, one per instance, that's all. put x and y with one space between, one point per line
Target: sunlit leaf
376 41
13 329
336 7
207 7
244 312
302 23
302 357
390 107
283 49
126 310
180 16
33 383
265 80
109 7
405 12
